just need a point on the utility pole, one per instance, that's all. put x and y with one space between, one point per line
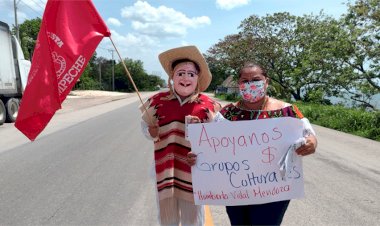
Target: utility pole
100 74
16 23
113 71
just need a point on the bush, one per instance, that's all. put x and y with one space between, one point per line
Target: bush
87 83
355 121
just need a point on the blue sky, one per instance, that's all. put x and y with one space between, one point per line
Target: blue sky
143 29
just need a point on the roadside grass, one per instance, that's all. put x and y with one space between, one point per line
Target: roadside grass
349 120
354 121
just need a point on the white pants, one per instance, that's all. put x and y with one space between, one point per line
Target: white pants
173 211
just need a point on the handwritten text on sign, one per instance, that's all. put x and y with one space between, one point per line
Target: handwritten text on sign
237 161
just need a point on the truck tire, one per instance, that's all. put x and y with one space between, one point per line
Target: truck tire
12 109
2 113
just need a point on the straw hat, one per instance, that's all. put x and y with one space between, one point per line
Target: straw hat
191 53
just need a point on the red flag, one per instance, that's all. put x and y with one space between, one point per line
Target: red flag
69 34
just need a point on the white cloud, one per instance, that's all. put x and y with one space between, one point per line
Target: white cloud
114 22
136 47
133 40
184 43
230 4
130 46
161 21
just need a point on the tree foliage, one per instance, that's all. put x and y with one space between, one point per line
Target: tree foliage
106 74
361 56
223 58
309 57
280 42
142 80
28 31
88 78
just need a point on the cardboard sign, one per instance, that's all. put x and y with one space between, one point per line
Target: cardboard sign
237 162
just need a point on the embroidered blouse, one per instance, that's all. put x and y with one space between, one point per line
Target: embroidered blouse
234 113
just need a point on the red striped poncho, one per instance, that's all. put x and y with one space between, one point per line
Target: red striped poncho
173 174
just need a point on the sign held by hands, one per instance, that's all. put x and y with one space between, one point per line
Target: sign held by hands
238 162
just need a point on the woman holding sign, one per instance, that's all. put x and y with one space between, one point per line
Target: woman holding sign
164 121
256 105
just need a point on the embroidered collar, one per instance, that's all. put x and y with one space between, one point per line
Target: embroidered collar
182 102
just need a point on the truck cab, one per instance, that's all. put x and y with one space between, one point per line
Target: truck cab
14 70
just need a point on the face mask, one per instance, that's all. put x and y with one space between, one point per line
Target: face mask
252 91
185 79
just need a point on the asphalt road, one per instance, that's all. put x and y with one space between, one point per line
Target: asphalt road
93 170
92 166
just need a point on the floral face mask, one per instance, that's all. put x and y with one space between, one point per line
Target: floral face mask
252 91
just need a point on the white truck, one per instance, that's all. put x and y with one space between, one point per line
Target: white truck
14 70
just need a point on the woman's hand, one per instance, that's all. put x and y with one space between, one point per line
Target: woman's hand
191 158
309 147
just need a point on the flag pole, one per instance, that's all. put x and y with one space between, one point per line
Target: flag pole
126 70
130 79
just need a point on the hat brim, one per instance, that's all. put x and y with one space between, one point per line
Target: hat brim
187 52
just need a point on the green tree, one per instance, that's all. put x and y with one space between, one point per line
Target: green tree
102 72
283 44
273 45
360 56
137 72
223 58
142 80
155 82
89 79
320 38
28 34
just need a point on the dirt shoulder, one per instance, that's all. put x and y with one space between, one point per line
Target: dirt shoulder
96 93
79 99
